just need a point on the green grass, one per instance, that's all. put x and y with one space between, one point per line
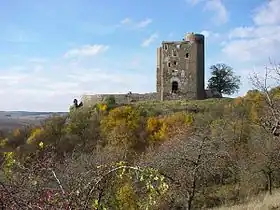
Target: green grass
165 107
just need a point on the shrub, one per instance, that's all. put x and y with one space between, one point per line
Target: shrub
110 100
162 128
121 127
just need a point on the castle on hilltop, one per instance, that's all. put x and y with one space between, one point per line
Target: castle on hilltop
180 74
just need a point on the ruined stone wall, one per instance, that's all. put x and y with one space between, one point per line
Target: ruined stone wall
120 98
181 62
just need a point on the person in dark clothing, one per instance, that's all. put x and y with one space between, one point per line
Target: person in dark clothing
76 105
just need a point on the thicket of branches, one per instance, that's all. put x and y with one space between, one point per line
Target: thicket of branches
132 157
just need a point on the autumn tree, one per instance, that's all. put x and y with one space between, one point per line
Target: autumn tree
189 160
223 79
268 84
267 140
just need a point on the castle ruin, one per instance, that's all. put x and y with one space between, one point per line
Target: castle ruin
180 74
180 68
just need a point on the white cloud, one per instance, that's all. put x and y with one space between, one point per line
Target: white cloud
193 2
268 31
206 33
210 34
221 14
218 8
103 29
268 13
130 23
149 40
249 48
52 86
144 23
37 60
43 92
87 50
126 21
259 42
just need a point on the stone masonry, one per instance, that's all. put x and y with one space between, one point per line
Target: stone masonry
180 68
180 74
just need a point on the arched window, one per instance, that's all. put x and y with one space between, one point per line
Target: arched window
174 87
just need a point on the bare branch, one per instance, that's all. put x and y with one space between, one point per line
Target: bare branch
60 186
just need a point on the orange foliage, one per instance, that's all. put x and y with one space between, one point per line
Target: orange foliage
162 128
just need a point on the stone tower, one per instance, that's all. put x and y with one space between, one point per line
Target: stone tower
180 68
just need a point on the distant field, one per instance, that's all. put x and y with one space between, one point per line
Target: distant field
14 119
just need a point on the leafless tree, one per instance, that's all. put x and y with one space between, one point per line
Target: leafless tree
190 160
267 145
270 79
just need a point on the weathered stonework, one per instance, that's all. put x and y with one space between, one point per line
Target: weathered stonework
180 74
120 98
180 69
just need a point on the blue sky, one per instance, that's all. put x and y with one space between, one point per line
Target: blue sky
53 51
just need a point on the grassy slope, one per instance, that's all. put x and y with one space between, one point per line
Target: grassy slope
261 202
165 107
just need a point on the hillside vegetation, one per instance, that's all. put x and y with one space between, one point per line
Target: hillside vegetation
152 155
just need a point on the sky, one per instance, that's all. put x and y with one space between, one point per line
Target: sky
54 51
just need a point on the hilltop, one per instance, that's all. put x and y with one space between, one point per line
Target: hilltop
183 154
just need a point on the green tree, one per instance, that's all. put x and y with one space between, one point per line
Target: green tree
110 100
223 79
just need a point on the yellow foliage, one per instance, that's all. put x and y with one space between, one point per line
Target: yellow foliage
275 93
126 197
179 118
35 134
156 128
41 145
102 107
120 125
160 128
3 142
154 124
9 158
256 102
